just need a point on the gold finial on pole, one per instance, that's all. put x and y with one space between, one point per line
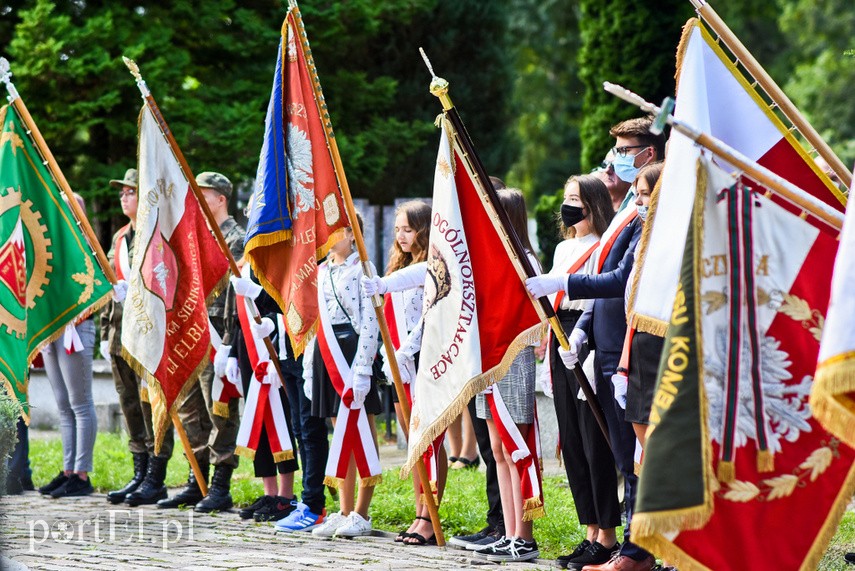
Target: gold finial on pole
438 86
135 71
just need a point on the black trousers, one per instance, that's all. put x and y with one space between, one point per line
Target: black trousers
495 517
588 459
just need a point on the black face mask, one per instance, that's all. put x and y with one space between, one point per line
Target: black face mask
571 215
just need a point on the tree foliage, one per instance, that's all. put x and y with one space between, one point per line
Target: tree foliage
632 43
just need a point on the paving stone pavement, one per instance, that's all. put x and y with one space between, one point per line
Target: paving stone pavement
89 533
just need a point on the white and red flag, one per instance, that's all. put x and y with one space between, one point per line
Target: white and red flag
715 98
165 331
833 393
477 313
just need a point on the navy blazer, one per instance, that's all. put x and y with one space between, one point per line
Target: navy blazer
605 321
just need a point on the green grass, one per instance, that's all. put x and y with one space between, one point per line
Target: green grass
462 510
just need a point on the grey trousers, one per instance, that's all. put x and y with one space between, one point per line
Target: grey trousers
70 378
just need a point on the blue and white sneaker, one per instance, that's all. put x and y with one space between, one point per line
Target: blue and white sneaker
301 519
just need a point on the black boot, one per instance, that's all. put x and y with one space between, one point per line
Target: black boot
140 469
191 494
152 489
218 497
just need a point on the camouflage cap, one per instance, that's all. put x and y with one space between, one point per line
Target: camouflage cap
129 180
215 181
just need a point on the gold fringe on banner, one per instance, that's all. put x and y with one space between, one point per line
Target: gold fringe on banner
765 461
283 456
830 401
688 28
245 452
144 397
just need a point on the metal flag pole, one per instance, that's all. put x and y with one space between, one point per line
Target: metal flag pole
376 300
33 130
778 185
439 88
221 241
779 98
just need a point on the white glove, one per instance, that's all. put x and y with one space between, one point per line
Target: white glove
245 287
543 285
263 329
571 356
619 381
120 291
105 349
307 388
372 286
221 358
406 278
232 371
406 366
361 386
581 395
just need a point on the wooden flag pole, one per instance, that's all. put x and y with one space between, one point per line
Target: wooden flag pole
777 95
377 300
18 103
761 174
439 88
221 241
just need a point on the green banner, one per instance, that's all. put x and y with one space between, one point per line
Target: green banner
48 274
673 486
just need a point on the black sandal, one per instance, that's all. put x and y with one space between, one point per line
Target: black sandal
452 460
423 518
402 536
420 539
474 463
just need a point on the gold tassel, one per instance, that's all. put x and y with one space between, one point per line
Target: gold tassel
283 456
726 472
144 395
333 482
765 461
370 481
221 409
533 513
245 452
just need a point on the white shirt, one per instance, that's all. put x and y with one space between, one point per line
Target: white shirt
566 253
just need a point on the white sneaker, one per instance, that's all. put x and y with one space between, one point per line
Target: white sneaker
355 526
330 525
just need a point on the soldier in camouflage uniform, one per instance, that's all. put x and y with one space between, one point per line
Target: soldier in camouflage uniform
211 436
146 485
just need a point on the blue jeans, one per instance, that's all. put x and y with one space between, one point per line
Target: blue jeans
19 461
311 435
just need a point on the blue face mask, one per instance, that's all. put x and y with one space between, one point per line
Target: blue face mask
642 212
625 167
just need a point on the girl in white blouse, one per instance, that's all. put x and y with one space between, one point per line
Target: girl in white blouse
355 329
404 284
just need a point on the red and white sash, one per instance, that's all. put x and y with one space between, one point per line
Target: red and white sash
222 390
525 454
352 433
71 339
121 259
393 308
263 406
621 220
574 267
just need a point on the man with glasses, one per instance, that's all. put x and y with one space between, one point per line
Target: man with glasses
634 148
146 486
603 325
